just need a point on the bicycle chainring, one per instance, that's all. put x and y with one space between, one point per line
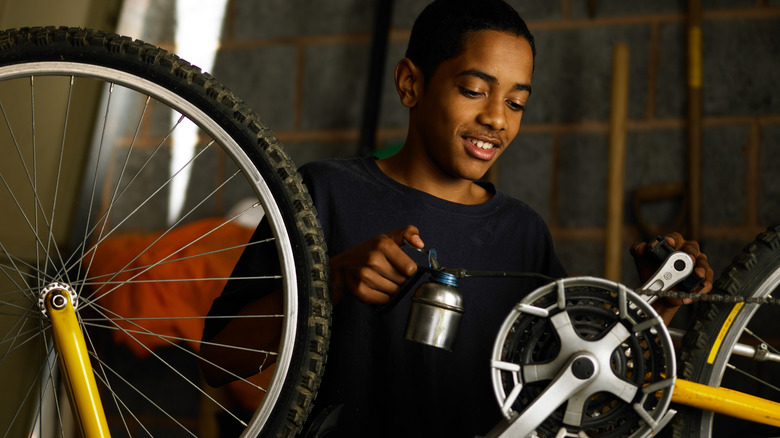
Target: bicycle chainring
537 340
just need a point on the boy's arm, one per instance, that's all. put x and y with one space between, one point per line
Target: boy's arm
252 335
371 271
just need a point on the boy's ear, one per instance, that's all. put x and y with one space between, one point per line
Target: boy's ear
408 82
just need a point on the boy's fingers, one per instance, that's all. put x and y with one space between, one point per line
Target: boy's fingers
399 260
374 289
410 233
638 249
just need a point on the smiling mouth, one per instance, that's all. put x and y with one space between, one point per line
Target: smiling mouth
481 144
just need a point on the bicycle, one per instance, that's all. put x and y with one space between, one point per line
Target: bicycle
47 279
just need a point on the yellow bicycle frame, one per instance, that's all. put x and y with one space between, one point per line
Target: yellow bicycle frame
85 398
727 402
75 365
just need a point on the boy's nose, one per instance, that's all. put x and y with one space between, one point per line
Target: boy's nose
494 115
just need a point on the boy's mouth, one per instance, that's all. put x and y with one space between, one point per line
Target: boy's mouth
481 144
484 150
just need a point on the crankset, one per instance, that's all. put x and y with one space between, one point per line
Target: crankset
583 357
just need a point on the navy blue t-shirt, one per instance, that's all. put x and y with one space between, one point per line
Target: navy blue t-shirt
392 387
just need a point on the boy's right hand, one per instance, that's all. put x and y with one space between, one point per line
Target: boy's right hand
376 269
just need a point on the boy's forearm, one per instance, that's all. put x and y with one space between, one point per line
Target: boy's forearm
256 338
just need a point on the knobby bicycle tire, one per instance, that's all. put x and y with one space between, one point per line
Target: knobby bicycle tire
717 327
121 211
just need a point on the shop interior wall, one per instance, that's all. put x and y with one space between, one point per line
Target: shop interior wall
303 65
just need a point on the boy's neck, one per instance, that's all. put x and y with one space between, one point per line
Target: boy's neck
421 175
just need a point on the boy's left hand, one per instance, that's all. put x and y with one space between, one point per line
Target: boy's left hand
701 268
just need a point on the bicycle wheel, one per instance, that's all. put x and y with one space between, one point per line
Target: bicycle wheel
708 351
144 283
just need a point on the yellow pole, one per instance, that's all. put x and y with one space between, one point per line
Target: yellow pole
618 114
727 401
75 365
694 118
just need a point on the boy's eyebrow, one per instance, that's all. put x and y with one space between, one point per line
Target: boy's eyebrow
492 79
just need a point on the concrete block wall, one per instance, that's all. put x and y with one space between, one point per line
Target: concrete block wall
303 66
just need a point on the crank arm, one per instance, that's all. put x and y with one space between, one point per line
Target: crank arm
676 268
578 372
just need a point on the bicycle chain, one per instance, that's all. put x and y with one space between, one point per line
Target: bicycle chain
660 250
716 298
711 297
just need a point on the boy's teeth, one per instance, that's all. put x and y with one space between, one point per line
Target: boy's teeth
482 144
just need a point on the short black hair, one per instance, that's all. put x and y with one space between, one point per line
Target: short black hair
440 31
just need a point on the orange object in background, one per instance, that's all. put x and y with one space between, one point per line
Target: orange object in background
169 299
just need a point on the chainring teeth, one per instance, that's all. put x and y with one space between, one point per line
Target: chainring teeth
593 312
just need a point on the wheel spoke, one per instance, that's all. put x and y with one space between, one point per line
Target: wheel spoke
51 242
141 204
97 280
97 292
753 377
104 218
31 177
140 393
170 340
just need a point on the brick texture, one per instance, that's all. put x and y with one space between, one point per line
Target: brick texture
303 66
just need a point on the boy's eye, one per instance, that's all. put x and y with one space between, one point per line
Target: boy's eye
469 93
514 106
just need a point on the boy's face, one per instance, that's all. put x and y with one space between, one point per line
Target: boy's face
471 108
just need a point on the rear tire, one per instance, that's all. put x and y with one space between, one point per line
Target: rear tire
706 352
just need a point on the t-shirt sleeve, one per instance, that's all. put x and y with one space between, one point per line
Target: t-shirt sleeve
259 259
254 276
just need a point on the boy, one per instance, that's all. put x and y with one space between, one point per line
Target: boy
465 80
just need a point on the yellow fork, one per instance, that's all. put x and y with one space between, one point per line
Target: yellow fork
75 365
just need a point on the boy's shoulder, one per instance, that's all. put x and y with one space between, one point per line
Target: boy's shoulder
341 176
351 176
336 166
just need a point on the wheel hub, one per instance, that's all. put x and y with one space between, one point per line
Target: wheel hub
56 287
